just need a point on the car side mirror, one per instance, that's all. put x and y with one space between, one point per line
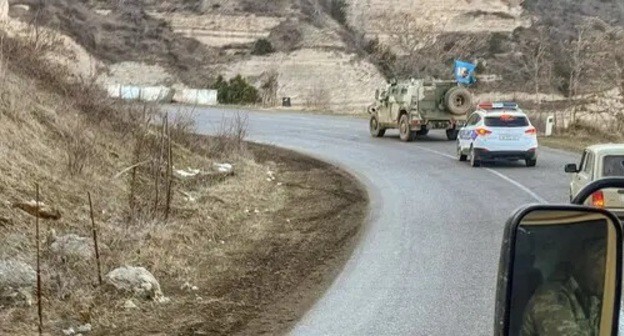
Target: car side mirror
560 267
571 168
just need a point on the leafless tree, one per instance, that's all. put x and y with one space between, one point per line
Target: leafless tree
268 89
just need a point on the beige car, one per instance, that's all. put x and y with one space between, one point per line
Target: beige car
599 161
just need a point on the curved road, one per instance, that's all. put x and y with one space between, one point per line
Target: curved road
427 262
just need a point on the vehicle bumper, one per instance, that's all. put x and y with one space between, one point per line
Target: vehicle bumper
483 154
417 123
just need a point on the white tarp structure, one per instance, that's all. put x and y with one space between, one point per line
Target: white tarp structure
130 92
196 97
161 94
114 90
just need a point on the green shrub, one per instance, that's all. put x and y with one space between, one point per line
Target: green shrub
262 47
235 91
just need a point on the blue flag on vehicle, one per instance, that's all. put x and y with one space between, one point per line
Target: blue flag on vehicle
465 72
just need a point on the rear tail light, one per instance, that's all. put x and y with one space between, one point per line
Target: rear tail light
483 131
598 199
531 131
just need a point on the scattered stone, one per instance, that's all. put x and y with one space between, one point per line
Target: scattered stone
163 299
17 280
181 173
224 168
136 280
20 7
69 332
84 328
129 304
194 288
72 245
24 295
44 211
188 197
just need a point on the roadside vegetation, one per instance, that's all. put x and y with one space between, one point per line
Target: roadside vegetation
195 235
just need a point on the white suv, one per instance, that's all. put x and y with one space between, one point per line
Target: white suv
497 131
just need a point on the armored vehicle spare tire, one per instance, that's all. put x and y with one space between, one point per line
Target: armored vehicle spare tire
458 100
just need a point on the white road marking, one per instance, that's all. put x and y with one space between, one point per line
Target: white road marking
502 176
517 184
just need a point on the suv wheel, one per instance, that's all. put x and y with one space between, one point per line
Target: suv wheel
531 162
405 133
462 157
375 129
473 158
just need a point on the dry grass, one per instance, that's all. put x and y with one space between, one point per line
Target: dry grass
580 136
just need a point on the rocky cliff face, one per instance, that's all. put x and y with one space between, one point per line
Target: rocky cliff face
452 15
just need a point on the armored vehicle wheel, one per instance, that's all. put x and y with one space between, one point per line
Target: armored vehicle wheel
376 130
458 100
405 133
452 134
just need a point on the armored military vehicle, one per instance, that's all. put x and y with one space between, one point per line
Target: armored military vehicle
417 106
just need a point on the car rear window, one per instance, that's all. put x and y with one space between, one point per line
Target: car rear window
506 120
613 165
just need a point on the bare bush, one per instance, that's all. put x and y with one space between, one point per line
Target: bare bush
230 136
268 88
287 36
79 145
182 124
318 98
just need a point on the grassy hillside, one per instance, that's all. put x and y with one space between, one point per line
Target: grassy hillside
224 246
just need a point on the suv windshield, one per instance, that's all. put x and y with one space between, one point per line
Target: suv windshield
613 165
506 120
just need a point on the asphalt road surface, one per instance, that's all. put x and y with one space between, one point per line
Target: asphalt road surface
427 262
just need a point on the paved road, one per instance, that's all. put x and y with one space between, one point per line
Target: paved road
428 259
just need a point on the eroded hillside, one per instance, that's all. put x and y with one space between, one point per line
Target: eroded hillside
334 52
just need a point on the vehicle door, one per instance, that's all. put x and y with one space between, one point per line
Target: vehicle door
395 103
383 113
612 165
466 133
585 173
